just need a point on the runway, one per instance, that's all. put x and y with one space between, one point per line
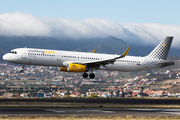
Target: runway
88 111
102 100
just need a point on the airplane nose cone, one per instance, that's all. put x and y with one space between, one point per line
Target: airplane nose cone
4 57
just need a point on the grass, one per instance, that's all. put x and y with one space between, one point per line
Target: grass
75 117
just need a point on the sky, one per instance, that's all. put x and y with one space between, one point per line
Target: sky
138 21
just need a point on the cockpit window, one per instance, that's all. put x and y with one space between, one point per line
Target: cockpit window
13 52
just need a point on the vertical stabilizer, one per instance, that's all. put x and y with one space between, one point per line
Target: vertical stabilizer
162 50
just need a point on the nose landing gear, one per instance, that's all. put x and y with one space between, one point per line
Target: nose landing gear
85 75
22 69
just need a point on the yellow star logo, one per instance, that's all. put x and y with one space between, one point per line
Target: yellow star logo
164 45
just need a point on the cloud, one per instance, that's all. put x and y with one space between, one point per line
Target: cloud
23 24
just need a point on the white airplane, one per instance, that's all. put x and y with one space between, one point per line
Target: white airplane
69 61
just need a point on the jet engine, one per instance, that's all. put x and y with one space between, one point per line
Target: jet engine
76 68
64 69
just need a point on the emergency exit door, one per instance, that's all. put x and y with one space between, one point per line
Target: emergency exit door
24 53
59 56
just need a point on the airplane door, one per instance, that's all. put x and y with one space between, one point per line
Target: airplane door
24 53
59 56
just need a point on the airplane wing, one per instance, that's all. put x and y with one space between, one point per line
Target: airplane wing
98 63
107 61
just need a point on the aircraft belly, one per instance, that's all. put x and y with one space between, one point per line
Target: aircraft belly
43 62
126 67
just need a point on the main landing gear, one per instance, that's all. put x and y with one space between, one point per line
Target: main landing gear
22 69
85 75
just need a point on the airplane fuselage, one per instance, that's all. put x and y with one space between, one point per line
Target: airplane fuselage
44 57
71 61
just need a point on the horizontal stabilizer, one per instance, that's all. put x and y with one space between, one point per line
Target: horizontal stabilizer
165 64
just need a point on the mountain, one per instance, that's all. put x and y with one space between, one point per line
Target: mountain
110 45
148 48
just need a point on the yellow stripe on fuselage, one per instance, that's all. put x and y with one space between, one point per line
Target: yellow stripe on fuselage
49 52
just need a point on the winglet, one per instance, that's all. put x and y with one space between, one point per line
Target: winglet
126 52
94 51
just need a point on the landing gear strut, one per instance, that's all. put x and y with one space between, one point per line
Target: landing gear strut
22 69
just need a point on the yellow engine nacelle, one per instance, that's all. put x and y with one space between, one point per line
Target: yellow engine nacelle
64 69
76 68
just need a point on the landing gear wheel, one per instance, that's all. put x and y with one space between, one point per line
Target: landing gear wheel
21 71
92 75
85 75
